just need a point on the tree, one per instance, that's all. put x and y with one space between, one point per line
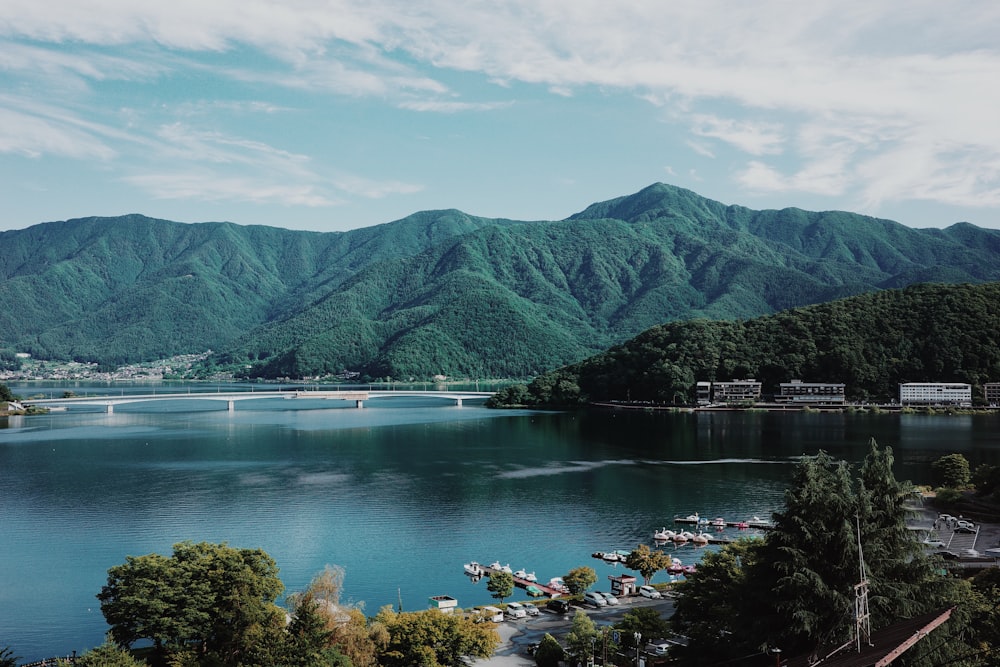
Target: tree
213 596
647 621
5 394
802 576
952 471
108 654
7 657
501 585
580 579
431 638
582 636
647 562
549 652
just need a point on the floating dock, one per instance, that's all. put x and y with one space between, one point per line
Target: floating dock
524 583
701 521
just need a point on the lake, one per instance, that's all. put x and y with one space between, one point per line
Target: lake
400 493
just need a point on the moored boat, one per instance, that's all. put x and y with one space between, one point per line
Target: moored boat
663 535
473 569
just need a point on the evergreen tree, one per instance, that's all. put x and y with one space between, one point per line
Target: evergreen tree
549 652
108 654
501 585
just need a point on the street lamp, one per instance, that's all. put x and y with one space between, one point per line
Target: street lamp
638 638
776 652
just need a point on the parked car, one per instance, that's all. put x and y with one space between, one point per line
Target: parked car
557 606
492 614
515 610
595 598
530 609
608 597
658 647
652 593
932 543
965 527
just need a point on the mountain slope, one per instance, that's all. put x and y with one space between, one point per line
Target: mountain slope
445 292
130 288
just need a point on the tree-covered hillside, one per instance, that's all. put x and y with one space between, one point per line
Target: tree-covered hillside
131 288
871 342
520 300
442 292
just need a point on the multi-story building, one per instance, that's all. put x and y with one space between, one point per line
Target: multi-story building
935 393
810 393
992 393
736 391
703 393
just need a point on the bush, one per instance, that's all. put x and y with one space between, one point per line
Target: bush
947 496
549 653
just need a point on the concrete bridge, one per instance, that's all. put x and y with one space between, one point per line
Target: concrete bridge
358 396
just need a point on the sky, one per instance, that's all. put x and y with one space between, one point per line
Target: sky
329 115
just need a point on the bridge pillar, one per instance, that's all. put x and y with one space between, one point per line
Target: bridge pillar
458 402
359 403
232 406
111 408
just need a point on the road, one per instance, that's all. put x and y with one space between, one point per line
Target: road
517 635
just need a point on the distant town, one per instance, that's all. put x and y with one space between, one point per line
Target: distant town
174 368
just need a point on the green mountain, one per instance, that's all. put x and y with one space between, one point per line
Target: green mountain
132 288
444 292
871 343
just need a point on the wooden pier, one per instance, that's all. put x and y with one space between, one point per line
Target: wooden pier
524 583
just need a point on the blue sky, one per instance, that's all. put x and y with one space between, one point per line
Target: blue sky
336 114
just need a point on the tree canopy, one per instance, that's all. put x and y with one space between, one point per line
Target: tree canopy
211 596
580 579
434 639
795 588
501 585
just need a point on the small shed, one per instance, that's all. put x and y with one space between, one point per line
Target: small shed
622 585
444 603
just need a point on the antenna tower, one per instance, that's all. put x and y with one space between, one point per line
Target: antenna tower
862 618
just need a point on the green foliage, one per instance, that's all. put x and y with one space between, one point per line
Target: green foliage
549 652
925 332
212 596
7 657
647 562
801 577
580 579
432 639
582 636
501 585
986 480
647 621
5 393
108 654
952 471
443 292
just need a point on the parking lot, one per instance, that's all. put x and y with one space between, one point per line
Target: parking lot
517 635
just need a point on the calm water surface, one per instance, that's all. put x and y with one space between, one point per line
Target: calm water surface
400 493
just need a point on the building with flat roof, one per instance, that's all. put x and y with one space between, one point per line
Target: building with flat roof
703 393
736 391
798 392
935 393
992 393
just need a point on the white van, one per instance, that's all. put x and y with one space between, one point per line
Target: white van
492 614
594 598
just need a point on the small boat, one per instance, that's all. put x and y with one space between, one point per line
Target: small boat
611 557
473 569
534 591
495 565
506 568
527 576
662 535
742 525
683 536
557 584
719 522
702 538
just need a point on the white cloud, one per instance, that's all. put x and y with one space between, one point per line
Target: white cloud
756 138
208 185
845 98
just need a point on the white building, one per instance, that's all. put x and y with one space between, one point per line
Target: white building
798 392
935 393
737 391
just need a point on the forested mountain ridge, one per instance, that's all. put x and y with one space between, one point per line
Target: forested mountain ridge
515 301
131 288
871 343
445 292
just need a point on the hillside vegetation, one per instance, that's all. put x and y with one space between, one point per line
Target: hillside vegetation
441 292
871 343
